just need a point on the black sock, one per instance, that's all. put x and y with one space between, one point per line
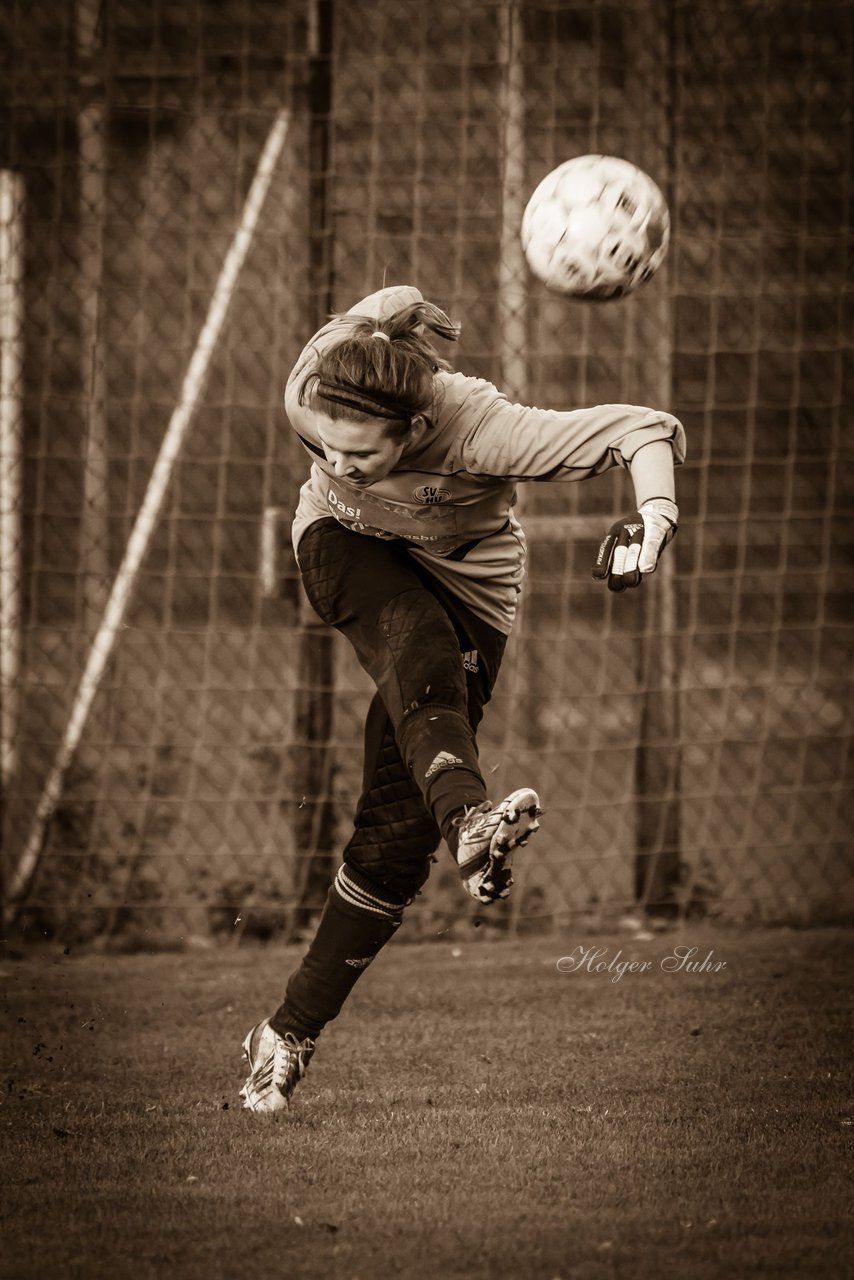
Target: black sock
355 925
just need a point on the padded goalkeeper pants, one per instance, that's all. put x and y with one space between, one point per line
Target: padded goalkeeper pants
434 664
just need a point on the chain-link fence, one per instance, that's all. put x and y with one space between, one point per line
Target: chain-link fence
186 191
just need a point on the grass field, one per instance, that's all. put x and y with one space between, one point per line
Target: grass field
474 1112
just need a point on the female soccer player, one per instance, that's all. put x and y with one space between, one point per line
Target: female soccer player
408 545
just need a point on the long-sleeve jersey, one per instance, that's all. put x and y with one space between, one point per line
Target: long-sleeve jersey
450 497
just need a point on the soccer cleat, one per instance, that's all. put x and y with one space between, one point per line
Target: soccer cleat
276 1065
488 835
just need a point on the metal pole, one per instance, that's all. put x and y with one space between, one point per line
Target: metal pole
314 756
512 268
91 165
659 761
11 472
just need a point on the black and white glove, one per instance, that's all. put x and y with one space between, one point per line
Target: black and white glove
631 547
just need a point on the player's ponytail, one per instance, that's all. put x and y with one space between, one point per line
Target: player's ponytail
382 369
410 322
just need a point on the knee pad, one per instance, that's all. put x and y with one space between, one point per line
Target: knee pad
425 650
395 868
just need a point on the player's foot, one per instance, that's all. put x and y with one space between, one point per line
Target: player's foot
488 836
276 1065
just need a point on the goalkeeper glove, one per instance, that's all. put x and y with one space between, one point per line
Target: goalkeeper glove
631 547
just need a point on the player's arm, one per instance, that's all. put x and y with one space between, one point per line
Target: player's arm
524 443
632 546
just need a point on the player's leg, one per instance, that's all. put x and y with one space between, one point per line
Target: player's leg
385 864
411 635
370 591
387 859
484 837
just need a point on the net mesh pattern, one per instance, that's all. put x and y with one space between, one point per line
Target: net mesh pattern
691 742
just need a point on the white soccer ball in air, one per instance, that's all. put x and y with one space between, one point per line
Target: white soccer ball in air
596 227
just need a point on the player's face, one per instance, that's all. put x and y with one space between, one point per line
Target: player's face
360 452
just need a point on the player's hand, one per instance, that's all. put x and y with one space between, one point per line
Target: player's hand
631 547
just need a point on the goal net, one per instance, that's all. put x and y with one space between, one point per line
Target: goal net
690 740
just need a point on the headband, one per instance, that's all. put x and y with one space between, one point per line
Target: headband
378 333
371 402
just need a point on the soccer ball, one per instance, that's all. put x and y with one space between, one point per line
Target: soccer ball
596 227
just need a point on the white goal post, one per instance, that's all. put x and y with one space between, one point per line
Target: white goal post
146 520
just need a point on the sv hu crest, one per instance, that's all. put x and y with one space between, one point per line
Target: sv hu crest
430 495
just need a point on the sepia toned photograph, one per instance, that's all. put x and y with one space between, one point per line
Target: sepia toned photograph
426 578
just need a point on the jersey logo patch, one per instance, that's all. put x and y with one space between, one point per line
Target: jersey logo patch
430 495
470 661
